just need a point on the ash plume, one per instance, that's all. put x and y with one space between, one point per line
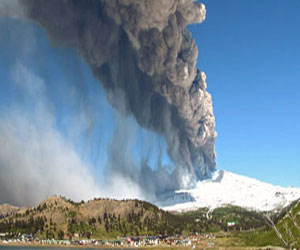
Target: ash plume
145 58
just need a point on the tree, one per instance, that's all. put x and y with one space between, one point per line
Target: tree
99 220
289 240
293 219
88 235
44 206
92 221
60 235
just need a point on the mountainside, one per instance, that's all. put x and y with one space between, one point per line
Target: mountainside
57 217
283 230
226 188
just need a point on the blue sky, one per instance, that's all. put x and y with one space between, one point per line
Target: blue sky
250 53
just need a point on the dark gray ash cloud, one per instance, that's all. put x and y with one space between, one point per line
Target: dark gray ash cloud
145 58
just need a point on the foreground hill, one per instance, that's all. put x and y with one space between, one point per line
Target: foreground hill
103 218
227 188
57 216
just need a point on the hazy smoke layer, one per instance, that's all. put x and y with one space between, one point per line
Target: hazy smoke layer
35 159
146 60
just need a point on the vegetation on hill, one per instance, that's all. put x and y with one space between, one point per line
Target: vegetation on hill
287 228
283 230
230 218
57 217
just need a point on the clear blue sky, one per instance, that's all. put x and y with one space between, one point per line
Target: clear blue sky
251 55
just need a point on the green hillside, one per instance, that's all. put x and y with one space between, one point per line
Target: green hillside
287 225
230 218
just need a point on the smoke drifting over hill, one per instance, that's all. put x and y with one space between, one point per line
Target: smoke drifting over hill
35 159
145 58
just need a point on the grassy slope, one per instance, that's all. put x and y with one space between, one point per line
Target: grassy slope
267 236
217 220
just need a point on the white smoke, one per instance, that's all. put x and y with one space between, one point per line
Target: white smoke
12 8
35 159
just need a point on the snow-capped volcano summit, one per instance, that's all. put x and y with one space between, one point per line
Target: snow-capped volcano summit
226 188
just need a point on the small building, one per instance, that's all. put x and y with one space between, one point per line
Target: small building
231 223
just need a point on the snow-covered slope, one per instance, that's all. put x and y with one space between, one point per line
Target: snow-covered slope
226 188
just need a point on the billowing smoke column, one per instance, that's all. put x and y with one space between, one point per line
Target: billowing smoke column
145 58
